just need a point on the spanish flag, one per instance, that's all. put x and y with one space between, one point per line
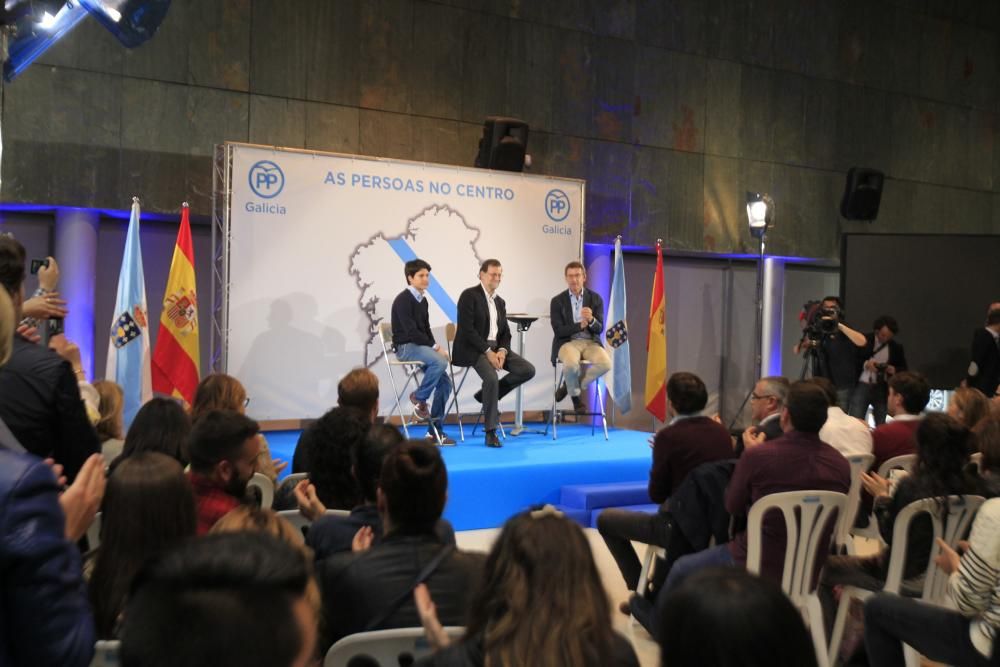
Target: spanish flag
175 359
656 345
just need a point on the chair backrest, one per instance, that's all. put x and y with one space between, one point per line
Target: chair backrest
951 518
808 516
388 648
94 532
449 333
385 335
859 463
106 653
977 458
291 481
904 462
264 484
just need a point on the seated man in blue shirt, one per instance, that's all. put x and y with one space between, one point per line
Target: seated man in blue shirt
413 340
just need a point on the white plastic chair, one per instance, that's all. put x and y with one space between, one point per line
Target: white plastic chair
291 481
412 370
559 374
449 336
905 463
106 653
951 526
388 648
94 532
808 515
266 487
859 463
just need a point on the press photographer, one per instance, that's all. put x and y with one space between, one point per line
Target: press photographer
883 357
830 346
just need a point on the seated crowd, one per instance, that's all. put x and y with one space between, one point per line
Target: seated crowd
189 569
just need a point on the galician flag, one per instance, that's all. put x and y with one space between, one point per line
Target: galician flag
656 345
175 359
128 346
620 380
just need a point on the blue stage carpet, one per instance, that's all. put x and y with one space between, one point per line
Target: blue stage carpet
486 486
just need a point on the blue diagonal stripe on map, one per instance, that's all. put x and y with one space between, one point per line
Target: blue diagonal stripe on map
435 288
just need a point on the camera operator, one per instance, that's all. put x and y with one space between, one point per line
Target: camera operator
831 347
883 357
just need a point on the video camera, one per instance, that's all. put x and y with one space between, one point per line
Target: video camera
818 321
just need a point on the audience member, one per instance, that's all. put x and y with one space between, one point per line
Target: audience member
883 357
908 396
688 440
219 391
722 617
246 518
968 406
324 451
39 397
940 471
848 435
334 534
766 400
148 508
540 602
46 621
796 461
359 389
984 364
963 636
161 425
110 425
373 590
225 600
224 447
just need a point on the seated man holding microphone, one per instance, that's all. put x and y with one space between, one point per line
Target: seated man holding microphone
577 317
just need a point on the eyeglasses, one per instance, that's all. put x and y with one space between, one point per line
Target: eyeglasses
755 397
246 402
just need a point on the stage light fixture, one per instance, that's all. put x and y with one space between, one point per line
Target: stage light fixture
35 25
760 213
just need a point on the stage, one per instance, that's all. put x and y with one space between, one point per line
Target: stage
485 486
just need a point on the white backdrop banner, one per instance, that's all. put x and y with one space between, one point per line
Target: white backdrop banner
318 243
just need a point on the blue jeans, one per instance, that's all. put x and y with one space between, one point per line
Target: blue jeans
938 633
435 379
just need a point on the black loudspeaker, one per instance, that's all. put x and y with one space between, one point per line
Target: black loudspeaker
862 194
504 144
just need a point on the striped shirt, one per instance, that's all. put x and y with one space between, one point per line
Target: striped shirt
975 587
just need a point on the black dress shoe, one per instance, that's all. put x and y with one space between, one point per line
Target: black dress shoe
577 404
478 396
492 440
561 392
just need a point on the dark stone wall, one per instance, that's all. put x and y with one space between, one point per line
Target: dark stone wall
670 110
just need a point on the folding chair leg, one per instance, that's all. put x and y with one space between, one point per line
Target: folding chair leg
600 403
399 408
839 624
815 619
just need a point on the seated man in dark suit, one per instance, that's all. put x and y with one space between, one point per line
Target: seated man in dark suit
373 590
766 401
687 441
335 534
577 317
482 340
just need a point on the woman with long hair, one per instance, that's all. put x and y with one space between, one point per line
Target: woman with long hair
161 425
540 602
110 426
148 507
219 391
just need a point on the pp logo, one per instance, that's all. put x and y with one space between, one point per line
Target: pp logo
266 179
556 205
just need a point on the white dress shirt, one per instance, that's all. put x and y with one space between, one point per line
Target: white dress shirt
848 435
492 306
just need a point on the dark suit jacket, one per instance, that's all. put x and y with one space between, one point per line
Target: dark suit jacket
474 326
770 428
329 535
561 316
986 355
357 589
